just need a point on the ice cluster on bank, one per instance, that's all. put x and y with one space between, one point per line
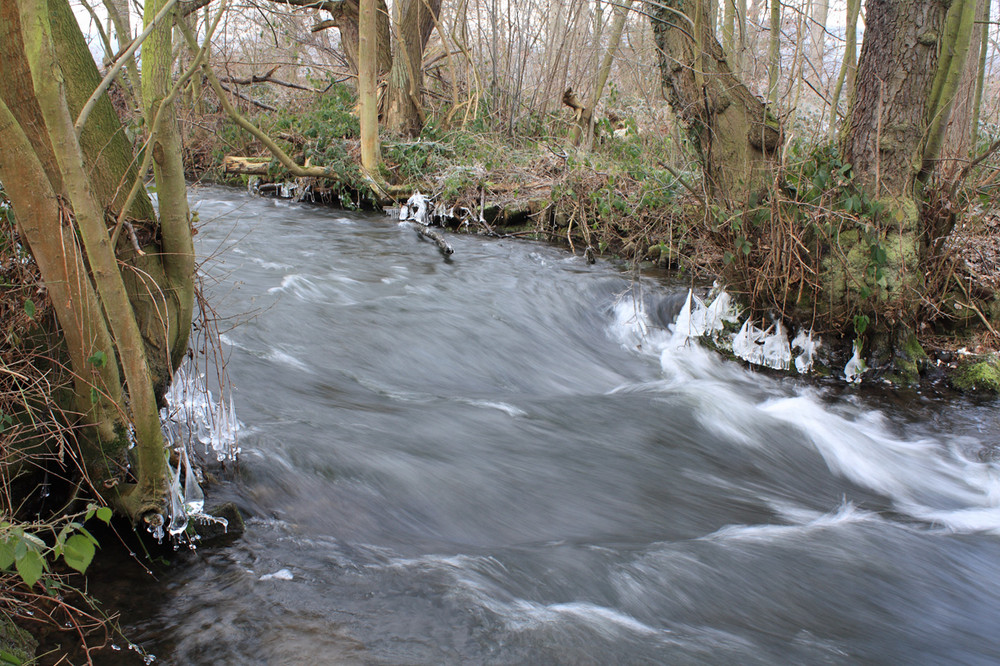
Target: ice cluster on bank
767 347
423 210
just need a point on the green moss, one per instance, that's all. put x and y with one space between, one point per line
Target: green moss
980 374
17 646
908 359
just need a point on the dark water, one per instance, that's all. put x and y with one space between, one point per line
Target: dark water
499 459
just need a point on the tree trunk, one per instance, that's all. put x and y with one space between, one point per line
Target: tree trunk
728 33
347 18
168 167
888 116
955 42
981 74
848 67
735 136
958 134
367 72
584 130
774 53
404 112
63 188
817 37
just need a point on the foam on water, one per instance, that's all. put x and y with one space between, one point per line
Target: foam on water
802 521
922 477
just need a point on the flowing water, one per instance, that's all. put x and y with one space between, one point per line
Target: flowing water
502 458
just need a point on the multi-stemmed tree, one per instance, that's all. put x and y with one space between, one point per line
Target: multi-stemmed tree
118 271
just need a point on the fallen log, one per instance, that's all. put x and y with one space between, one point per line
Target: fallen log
251 166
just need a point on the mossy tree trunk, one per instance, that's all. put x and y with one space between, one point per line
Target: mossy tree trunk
66 192
903 91
959 133
734 134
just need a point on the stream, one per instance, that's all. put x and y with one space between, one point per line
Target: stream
500 458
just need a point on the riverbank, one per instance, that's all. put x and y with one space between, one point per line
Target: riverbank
637 198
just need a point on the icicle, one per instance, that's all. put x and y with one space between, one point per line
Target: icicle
415 210
194 497
855 367
777 352
719 312
177 518
804 341
747 344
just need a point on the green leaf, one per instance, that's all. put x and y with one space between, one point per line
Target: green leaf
30 567
78 552
861 324
104 514
29 308
87 534
98 359
6 553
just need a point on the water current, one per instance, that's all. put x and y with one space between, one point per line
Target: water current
500 458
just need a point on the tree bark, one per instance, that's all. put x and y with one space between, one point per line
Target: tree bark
960 132
848 67
735 136
347 18
404 113
888 116
148 497
367 72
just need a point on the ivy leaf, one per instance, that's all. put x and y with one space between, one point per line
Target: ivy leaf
30 567
29 308
78 552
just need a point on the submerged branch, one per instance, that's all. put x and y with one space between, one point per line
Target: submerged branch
435 236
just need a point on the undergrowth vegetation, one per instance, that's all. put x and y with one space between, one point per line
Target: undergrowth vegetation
639 195
43 533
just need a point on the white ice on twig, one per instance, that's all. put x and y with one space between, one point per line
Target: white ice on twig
855 367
